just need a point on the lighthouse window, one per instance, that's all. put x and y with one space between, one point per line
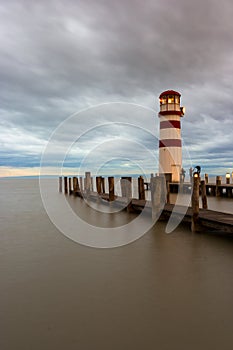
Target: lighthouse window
163 100
177 99
171 99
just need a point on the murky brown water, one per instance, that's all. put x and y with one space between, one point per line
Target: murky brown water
160 292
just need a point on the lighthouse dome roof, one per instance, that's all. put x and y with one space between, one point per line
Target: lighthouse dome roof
169 92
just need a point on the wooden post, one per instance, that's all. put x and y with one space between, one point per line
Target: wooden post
126 186
98 184
141 189
65 185
75 184
206 178
229 192
195 204
88 181
168 192
181 187
228 188
60 184
158 195
218 183
111 188
78 187
213 191
203 195
70 187
123 189
103 184
92 189
81 184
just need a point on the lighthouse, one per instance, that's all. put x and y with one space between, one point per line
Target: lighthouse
170 145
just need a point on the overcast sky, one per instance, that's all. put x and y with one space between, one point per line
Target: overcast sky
61 57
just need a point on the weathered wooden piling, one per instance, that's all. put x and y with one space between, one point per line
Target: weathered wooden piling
158 196
126 191
60 184
65 184
203 195
218 183
195 204
126 186
141 188
88 181
168 192
103 184
70 187
213 190
228 178
206 178
75 185
181 187
111 188
98 184
123 190
229 192
81 184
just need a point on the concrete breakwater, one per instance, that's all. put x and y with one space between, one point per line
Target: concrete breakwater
159 205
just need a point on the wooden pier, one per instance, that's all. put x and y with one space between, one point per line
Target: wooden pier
221 190
212 189
200 219
213 220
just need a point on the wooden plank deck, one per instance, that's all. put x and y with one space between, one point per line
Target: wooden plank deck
222 222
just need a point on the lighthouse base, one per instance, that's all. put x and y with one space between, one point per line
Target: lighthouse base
176 169
174 176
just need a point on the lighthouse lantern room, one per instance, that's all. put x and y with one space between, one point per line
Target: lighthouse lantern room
170 147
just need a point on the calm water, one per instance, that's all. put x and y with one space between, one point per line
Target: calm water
160 292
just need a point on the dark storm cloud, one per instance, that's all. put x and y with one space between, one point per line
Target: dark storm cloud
58 57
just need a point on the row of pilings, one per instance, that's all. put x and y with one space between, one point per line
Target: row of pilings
219 188
159 188
84 186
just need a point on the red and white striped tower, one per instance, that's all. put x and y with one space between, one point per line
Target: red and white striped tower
170 147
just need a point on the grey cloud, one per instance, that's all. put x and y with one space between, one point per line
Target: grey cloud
61 56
